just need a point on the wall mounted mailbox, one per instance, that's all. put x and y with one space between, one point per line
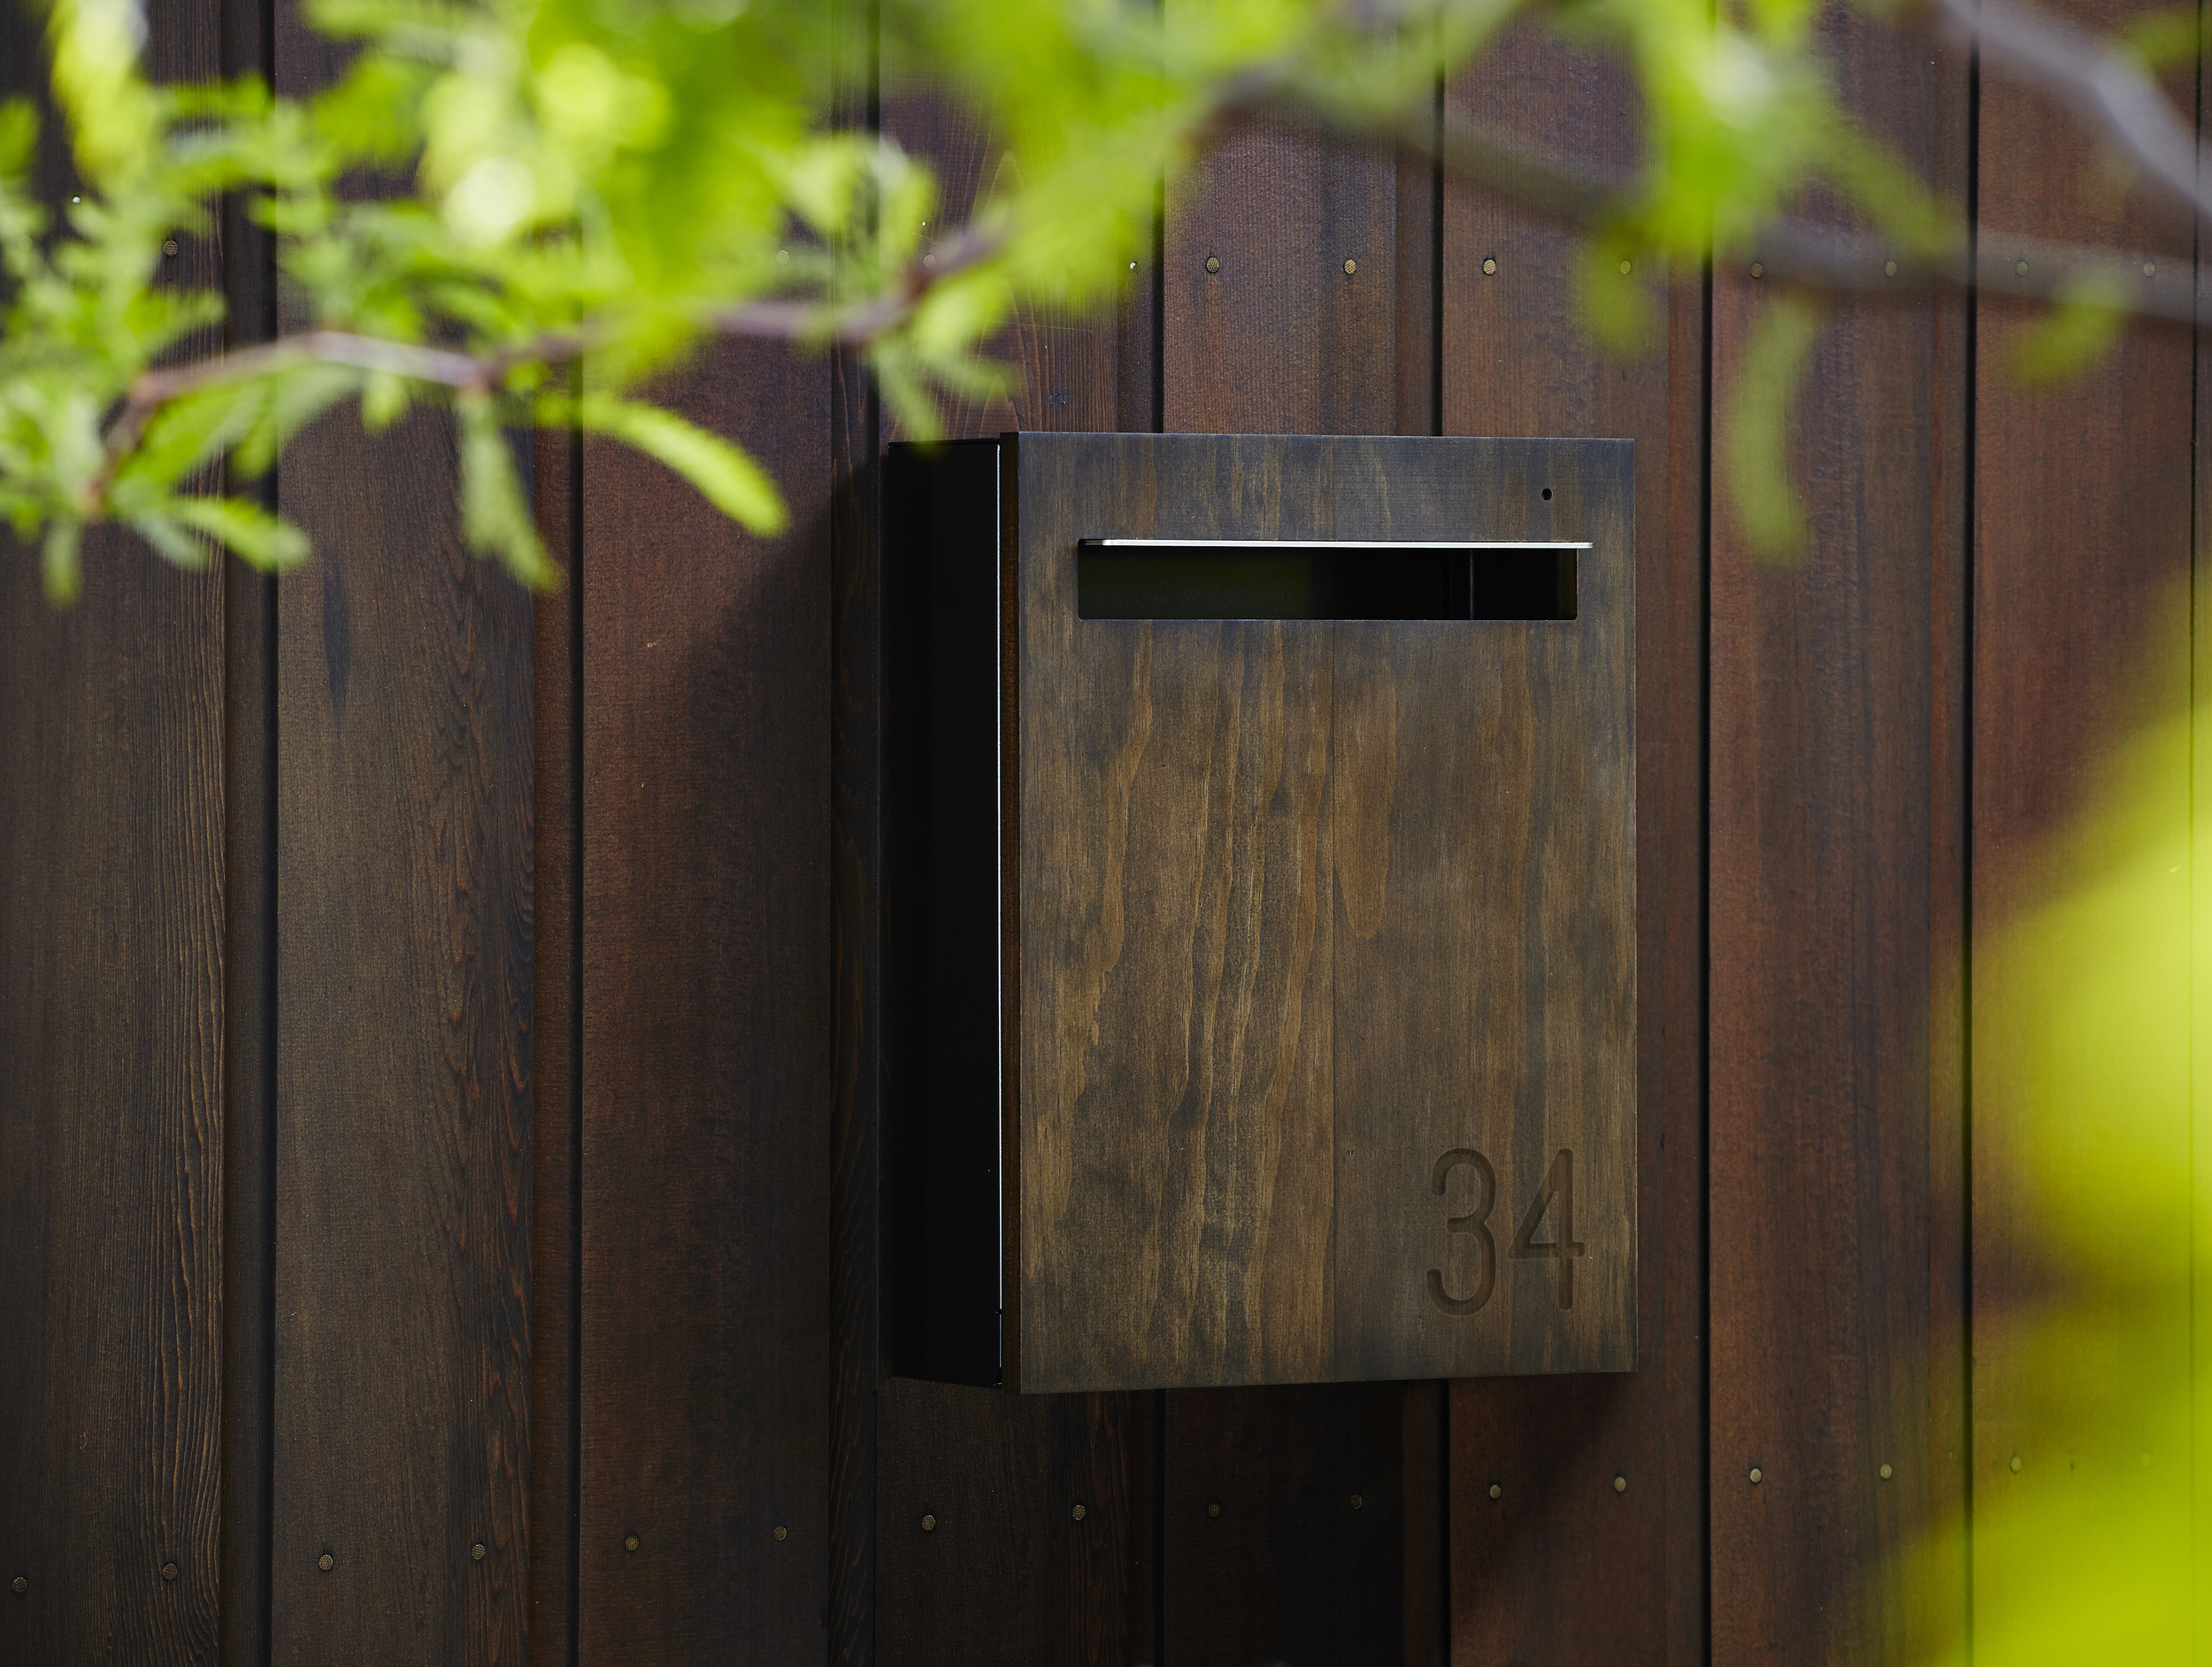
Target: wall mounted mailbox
1259 910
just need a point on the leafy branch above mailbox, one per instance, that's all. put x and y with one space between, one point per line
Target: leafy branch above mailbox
1259 910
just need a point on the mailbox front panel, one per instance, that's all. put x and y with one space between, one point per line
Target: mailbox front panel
1317 990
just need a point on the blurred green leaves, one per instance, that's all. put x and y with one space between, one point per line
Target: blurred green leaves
618 180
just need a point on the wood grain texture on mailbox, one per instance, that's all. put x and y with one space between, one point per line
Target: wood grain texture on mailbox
1316 933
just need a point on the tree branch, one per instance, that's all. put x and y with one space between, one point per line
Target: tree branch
2105 83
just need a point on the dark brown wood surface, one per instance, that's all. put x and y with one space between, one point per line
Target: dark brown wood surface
707 1042
557 1048
982 1556
112 1056
1239 352
403 996
1830 676
1231 853
2082 644
1515 360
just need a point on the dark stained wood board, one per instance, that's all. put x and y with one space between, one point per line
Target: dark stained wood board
1281 340
704 1372
1515 360
980 1555
1072 375
556 1035
1832 679
403 947
112 1057
111 1109
2081 635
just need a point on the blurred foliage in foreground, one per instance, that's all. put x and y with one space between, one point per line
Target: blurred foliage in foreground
2092 1181
615 180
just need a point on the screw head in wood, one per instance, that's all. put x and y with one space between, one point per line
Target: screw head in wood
782 1532
168 1570
19 1585
1079 1513
1620 1484
169 246
1627 266
1358 1502
1758 269
326 1562
2015 1463
1213 262
929 1522
1213 1507
1490 265
1889 269
1886 1472
2020 268
1351 266
476 1552
1757 1476
629 1542
1496 1492
2150 269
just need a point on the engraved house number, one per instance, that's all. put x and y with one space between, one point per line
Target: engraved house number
1558 1191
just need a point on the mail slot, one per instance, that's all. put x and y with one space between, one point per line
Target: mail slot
1259 903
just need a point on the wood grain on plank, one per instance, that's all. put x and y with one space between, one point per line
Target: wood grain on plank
707 1039
1279 338
404 1104
556 1230
2081 638
983 1556
1515 360
112 1057
1830 685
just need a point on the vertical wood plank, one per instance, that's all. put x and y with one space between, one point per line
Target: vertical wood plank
2081 633
971 1452
403 1067
1280 339
1830 691
705 1187
113 737
556 1172
1514 361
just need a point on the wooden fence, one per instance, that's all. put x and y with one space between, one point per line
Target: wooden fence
439 1211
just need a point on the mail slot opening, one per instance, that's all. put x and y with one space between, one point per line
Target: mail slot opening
1163 579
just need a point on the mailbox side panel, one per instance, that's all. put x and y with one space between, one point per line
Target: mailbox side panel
1484 797
1176 962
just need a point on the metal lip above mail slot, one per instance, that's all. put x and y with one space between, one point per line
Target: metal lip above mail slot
1259 984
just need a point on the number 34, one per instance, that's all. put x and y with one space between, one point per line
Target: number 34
1558 1191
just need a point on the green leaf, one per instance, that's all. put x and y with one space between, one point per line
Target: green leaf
729 479
257 537
1757 442
176 546
495 519
57 562
384 397
2075 332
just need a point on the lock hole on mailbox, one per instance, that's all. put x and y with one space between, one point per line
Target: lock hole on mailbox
1161 578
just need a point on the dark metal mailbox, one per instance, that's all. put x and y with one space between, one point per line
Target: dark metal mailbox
1259 910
